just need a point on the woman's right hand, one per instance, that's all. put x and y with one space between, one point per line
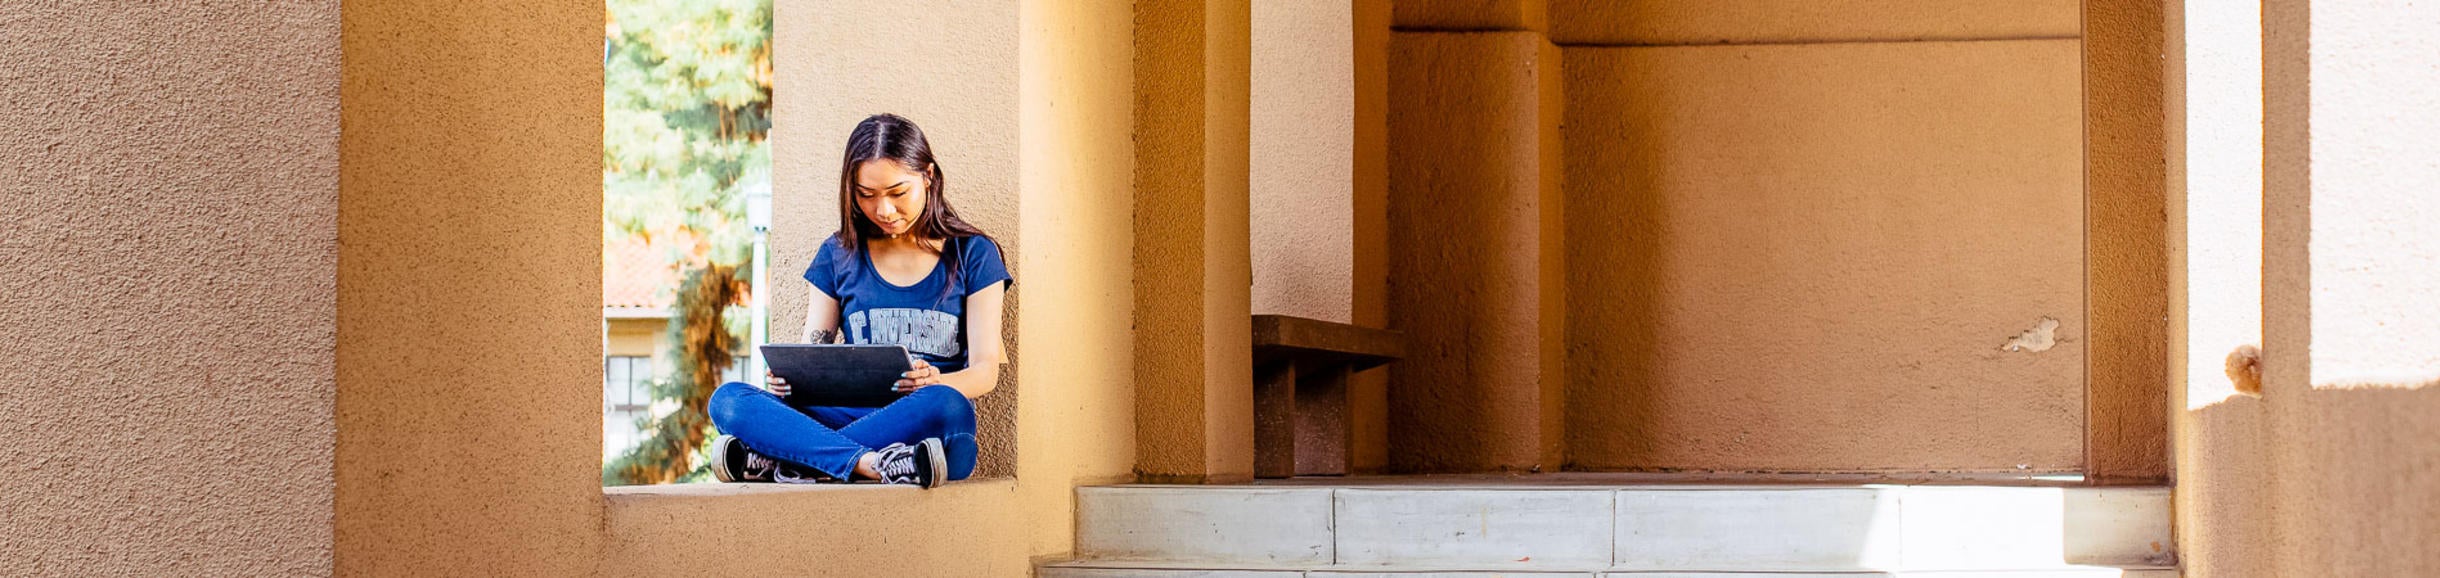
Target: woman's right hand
775 385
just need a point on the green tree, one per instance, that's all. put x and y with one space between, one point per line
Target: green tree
686 107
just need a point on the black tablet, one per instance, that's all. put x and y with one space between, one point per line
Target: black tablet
838 375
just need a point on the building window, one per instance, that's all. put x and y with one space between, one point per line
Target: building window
627 383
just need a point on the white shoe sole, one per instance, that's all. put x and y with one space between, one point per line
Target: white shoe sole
940 463
720 459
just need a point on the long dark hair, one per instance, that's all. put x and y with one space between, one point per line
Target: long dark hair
889 137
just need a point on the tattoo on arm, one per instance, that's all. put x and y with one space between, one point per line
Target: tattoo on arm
822 336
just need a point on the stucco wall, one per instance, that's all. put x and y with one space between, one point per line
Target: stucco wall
1302 147
1476 15
169 177
2327 473
1646 22
1476 258
2214 152
469 289
1808 257
949 66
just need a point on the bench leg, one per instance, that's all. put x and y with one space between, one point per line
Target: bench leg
1323 431
1275 421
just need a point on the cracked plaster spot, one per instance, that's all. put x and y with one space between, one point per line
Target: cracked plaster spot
2040 338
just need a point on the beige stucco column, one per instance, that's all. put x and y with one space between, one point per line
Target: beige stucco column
1476 251
469 289
2126 379
1193 348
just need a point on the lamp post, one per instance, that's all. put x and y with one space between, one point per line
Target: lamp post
758 216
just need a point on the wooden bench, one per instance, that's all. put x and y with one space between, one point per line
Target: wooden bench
1301 368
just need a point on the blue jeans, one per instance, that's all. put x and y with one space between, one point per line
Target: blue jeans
831 439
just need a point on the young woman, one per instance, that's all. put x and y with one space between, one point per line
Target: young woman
902 270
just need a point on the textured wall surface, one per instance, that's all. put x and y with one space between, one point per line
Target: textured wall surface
469 290
2214 152
1078 427
1193 340
2126 262
1476 252
169 180
2327 474
949 66
2375 122
968 529
1808 257
1301 147
1476 15
1368 403
1575 22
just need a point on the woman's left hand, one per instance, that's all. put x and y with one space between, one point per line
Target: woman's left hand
922 375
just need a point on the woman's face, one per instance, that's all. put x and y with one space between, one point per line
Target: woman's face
890 195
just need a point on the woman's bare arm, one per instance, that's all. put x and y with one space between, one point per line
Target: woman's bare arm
821 318
983 352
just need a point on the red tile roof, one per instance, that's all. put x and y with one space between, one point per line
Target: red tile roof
636 275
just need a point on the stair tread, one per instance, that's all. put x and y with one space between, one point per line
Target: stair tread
1257 567
1854 528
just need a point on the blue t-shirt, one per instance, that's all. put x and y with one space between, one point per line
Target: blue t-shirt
926 318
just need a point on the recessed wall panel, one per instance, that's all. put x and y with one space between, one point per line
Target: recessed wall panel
1818 257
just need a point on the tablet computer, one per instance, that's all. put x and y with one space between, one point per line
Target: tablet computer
838 375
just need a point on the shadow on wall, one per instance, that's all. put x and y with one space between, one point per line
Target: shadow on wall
2330 481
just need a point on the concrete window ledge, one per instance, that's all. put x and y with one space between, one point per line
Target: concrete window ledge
859 490
964 527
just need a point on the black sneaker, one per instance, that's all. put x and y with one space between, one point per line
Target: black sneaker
923 464
732 462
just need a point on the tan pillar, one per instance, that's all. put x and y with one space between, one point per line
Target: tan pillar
1075 98
469 290
1476 251
2126 280
1193 341
1368 392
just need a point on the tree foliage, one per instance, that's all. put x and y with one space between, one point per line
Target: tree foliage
703 351
686 108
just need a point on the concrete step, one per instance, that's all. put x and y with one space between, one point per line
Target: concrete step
1076 571
1649 530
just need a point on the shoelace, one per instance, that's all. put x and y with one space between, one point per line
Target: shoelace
757 465
897 463
787 475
